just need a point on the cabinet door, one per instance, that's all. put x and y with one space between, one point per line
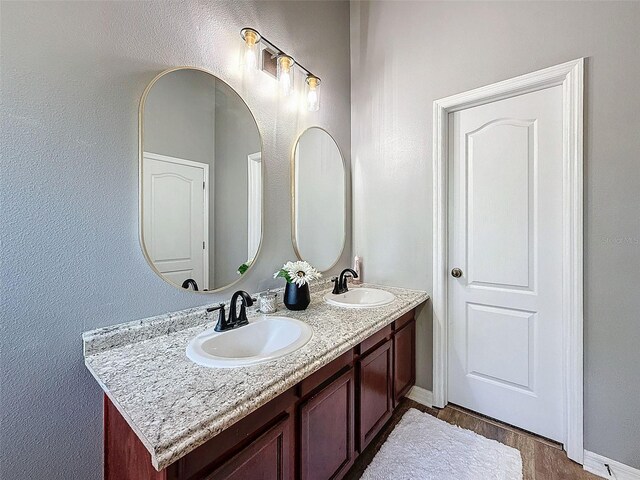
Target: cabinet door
376 395
404 360
327 446
268 457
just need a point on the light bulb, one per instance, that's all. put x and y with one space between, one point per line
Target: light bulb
285 74
250 47
312 100
285 83
250 61
313 93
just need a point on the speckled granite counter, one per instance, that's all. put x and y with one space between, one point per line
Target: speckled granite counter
174 405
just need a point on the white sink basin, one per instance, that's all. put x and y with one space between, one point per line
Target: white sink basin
264 339
362 297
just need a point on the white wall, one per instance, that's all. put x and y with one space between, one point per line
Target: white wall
72 75
405 55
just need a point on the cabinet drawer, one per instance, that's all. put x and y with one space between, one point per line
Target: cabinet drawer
375 339
316 379
403 320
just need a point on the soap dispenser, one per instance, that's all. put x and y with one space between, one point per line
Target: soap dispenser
357 266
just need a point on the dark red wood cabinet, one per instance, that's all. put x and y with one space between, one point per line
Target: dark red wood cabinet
404 363
313 431
268 457
375 373
327 429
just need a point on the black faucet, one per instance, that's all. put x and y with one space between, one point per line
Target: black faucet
247 301
340 283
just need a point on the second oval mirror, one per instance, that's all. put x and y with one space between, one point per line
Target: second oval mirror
319 199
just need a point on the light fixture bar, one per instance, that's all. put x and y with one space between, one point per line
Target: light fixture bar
277 51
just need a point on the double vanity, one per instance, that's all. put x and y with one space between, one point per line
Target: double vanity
226 392
295 394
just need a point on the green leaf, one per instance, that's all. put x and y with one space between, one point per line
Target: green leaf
283 273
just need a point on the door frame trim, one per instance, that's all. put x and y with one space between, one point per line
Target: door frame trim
571 76
254 198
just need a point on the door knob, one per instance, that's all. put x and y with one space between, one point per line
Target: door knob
456 273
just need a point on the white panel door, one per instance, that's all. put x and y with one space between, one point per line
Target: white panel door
175 222
505 236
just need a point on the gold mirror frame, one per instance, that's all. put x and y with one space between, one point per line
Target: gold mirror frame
140 178
292 174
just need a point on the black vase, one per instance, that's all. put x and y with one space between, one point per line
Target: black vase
295 297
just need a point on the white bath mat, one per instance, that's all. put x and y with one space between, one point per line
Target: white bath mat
422 447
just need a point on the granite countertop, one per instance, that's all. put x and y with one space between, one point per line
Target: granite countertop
174 405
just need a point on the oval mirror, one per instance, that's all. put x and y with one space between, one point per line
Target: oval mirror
319 199
200 180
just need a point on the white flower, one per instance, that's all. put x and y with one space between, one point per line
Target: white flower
301 272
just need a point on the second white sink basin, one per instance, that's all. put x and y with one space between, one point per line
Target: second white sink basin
264 339
362 297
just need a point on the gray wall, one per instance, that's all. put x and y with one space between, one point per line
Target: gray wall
405 55
179 116
72 75
236 139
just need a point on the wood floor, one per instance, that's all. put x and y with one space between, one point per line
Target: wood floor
542 459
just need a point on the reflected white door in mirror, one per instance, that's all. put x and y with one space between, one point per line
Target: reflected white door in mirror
201 174
176 224
319 199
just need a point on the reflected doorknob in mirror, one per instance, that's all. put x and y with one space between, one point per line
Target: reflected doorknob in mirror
456 273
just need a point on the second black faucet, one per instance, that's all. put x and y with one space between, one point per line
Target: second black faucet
340 282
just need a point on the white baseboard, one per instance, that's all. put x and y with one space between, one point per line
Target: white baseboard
420 395
596 464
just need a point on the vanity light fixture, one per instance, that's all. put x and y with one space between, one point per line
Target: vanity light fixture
313 93
274 59
250 48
